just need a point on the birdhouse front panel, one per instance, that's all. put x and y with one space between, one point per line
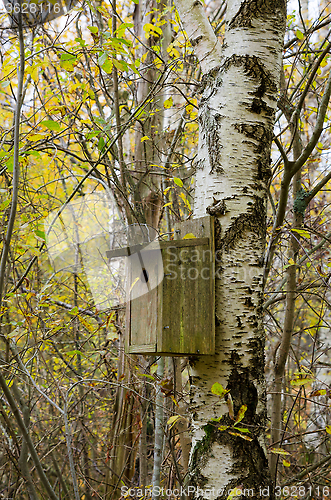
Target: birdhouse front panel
145 272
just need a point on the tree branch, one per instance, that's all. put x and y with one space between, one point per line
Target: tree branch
206 46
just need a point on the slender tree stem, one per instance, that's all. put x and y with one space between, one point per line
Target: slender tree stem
16 168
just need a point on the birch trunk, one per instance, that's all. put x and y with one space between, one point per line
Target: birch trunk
236 120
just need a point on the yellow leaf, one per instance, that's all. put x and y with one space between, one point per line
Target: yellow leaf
241 414
279 451
302 232
247 438
235 492
168 103
223 427
35 137
302 381
148 27
299 34
319 392
189 236
35 74
145 138
86 324
286 463
172 420
328 429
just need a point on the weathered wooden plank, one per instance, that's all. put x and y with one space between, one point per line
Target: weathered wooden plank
144 298
188 316
188 290
141 349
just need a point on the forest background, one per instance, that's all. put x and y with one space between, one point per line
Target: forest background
109 102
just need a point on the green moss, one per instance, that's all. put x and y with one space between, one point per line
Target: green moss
300 202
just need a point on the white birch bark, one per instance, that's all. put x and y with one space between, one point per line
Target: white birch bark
236 121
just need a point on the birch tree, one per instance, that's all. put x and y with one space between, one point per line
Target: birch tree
237 108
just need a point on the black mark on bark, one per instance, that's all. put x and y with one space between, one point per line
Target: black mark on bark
254 220
257 9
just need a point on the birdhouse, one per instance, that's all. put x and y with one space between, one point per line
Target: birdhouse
171 292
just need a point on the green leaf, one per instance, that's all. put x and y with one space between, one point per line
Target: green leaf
4 204
107 66
100 121
51 125
102 58
299 34
93 133
219 390
93 29
67 61
121 65
72 353
74 310
80 41
178 181
10 164
40 235
101 144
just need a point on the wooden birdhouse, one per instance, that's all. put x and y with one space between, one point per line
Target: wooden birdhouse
171 292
